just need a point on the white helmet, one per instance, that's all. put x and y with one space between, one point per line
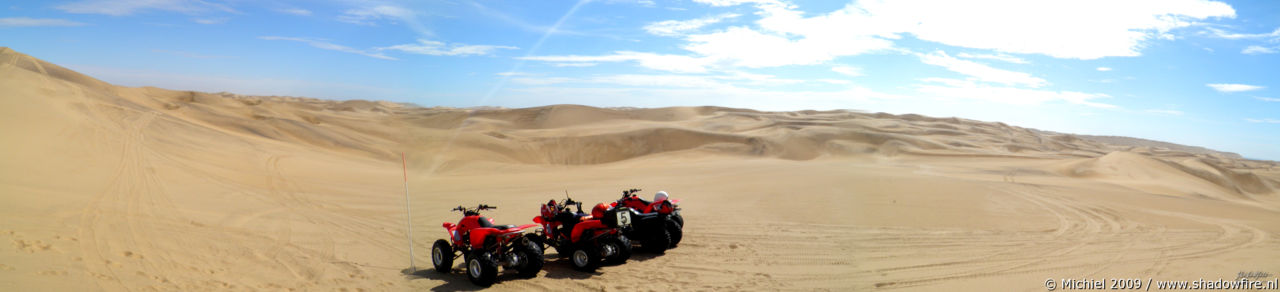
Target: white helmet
661 195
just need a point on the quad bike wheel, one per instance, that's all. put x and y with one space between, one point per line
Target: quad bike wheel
585 259
659 242
481 269
530 254
442 256
617 250
677 232
679 219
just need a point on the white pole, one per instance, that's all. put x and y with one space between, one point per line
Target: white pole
408 215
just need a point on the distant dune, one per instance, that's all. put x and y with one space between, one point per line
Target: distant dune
118 188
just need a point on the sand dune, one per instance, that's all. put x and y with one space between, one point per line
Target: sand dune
117 188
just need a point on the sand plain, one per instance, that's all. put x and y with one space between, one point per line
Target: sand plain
136 189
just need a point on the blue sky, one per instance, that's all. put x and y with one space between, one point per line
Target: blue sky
1192 72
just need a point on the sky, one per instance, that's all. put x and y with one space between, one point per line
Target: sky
1191 72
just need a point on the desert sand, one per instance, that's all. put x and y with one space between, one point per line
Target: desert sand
136 189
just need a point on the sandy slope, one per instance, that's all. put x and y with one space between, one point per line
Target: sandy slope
113 188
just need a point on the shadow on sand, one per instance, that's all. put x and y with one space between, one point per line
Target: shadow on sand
554 267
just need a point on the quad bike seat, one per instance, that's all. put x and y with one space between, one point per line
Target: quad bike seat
484 222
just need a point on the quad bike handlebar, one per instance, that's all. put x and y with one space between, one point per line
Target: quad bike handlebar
569 201
628 193
474 210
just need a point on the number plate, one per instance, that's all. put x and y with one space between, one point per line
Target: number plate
624 218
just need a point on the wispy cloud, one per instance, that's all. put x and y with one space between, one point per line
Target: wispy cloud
129 7
521 23
997 57
671 63
967 89
847 70
219 20
574 64
1265 121
422 47
323 44
374 13
681 27
31 22
1256 50
1231 87
1048 28
1267 99
436 48
1104 69
717 81
981 72
296 11
1241 36
1165 112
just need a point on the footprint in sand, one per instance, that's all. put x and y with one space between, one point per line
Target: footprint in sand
32 246
53 273
130 254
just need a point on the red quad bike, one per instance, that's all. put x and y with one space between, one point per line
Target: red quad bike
652 218
587 240
486 246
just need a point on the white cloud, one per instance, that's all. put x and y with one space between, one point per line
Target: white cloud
720 81
296 11
1267 121
1267 99
1255 50
680 27
423 47
30 22
1165 112
128 7
966 89
1056 29
1067 29
981 72
745 47
847 70
543 80
322 44
1241 36
834 81
1230 87
374 12
761 99
219 20
574 64
783 35
370 15
672 63
1104 69
436 48
997 57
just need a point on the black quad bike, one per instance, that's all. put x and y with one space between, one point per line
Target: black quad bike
486 246
586 240
656 225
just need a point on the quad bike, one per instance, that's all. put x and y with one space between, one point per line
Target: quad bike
587 240
486 246
652 217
